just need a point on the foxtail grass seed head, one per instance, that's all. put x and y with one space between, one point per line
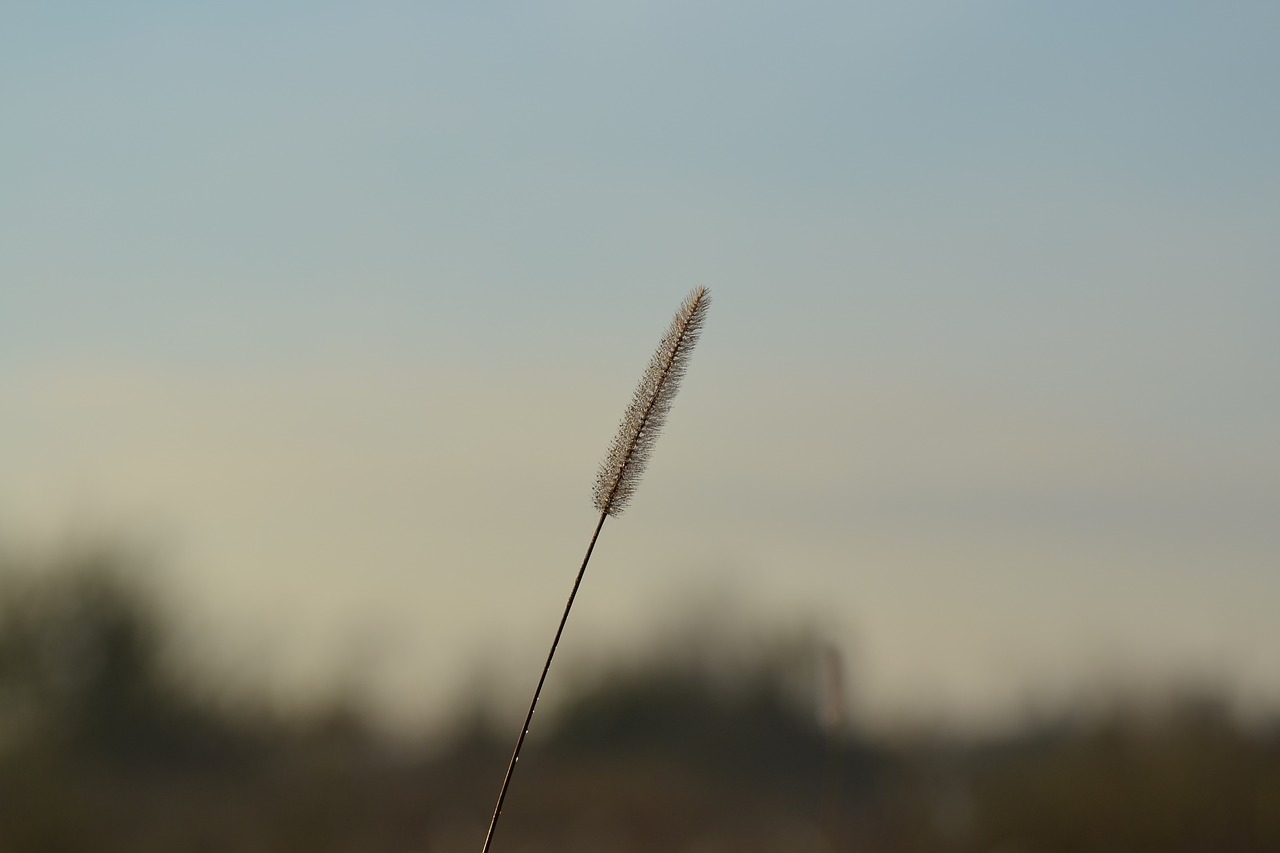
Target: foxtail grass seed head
620 474
622 468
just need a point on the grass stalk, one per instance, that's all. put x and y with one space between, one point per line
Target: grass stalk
619 474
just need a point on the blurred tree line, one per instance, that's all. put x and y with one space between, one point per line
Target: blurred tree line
109 740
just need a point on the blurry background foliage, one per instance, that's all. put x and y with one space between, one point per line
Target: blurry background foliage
110 740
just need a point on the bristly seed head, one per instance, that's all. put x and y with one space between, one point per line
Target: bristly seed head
621 469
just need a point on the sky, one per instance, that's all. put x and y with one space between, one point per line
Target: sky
333 309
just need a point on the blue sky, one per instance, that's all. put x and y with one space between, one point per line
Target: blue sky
996 295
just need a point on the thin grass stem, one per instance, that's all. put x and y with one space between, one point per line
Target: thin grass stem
546 667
